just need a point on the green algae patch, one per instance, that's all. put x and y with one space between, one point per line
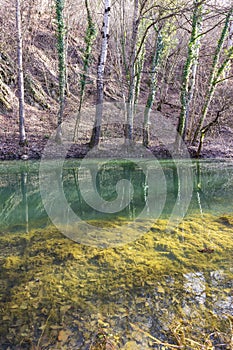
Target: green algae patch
149 293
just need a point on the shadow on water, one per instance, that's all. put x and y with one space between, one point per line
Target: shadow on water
150 293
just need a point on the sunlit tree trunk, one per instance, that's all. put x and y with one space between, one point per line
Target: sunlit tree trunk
61 65
139 63
120 51
100 76
190 72
215 72
22 133
89 40
156 59
132 81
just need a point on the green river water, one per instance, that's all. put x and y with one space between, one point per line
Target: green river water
88 261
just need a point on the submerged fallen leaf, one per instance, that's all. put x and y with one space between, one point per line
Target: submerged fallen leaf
55 326
132 345
206 250
63 335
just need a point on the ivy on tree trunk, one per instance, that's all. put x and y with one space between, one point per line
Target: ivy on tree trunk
215 72
89 40
61 65
189 72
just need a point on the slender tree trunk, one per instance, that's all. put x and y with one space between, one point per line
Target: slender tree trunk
121 66
220 71
100 76
223 68
138 74
132 80
215 73
189 73
89 40
22 133
123 41
156 59
229 47
61 65
230 35
66 40
139 64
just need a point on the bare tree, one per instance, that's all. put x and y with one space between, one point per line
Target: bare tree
155 65
100 76
216 71
190 71
132 76
22 133
89 39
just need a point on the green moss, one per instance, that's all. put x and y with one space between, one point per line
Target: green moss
5 100
35 93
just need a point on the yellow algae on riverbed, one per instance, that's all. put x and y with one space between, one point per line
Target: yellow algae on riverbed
163 283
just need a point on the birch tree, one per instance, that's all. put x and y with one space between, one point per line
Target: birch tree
100 76
190 72
22 133
132 80
61 64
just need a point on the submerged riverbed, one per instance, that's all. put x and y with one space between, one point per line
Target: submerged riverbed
128 280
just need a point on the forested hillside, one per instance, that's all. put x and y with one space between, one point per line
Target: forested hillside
64 59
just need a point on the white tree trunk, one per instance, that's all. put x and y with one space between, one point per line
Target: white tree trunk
100 75
132 82
22 133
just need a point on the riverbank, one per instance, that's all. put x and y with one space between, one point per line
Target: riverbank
214 149
41 128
